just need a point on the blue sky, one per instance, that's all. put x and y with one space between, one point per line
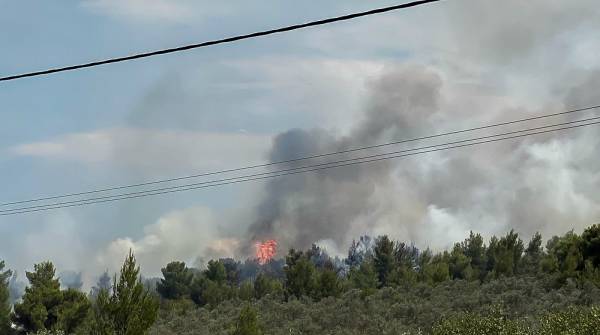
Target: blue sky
220 107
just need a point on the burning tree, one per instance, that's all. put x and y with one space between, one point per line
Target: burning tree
265 251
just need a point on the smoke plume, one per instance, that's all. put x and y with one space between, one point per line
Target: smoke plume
535 184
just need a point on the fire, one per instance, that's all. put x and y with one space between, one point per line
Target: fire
265 251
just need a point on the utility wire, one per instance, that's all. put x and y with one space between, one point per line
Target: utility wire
304 169
219 41
114 188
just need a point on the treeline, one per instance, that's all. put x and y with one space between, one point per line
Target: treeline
124 306
413 290
372 264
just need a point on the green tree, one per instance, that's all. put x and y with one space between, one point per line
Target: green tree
533 254
436 271
564 255
213 293
129 309
176 282
384 259
299 275
205 291
73 311
460 264
4 300
474 248
264 284
328 283
212 285
247 323
590 244
46 307
41 301
232 271
197 289
534 247
354 256
364 277
406 259
505 254
216 272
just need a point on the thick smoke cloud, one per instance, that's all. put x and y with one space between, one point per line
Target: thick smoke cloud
544 183
323 205
480 62
491 65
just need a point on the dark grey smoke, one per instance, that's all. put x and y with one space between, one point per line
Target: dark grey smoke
327 205
534 184
71 279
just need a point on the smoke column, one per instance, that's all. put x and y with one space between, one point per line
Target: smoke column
435 198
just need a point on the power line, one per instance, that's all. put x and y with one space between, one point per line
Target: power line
114 188
279 173
298 170
219 41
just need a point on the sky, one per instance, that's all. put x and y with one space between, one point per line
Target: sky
438 67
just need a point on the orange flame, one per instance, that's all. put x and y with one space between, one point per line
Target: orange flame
265 251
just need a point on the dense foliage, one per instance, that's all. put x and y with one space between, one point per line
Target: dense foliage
506 286
389 287
4 300
580 321
46 306
390 310
129 309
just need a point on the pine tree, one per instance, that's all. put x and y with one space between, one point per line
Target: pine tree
354 256
176 282
299 275
564 255
46 307
533 254
129 309
436 271
364 278
328 283
216 272
73 311
460 264
505 254
474 248
384 258
590 244
4 300
41 301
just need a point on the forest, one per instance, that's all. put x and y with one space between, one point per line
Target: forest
501 286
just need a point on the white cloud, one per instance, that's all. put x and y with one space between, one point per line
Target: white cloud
150 152
85 147
145 10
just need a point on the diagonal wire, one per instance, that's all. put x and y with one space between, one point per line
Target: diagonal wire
219 41
115 188
304 169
